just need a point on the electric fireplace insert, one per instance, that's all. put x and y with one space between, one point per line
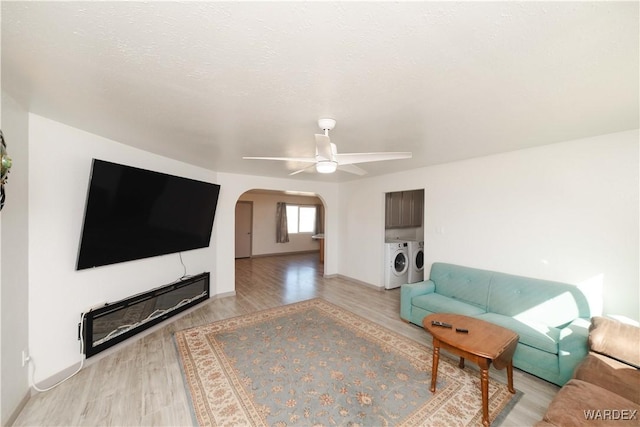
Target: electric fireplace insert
113 323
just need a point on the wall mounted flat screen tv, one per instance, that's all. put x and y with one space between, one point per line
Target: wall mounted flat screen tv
135 213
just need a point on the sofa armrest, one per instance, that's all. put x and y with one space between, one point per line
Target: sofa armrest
615 339
410 290
572 346
574 336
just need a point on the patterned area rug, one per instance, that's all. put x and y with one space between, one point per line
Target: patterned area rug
313 363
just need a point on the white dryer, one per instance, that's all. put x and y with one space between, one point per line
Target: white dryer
416 261
396 264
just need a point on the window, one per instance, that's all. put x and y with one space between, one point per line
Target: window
301 219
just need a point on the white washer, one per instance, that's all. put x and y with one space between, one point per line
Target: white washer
416 261
396 264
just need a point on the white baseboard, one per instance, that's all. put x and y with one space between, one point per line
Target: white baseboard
224 295
285 253
358 282
57 377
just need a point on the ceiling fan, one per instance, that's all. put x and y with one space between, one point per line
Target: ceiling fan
327 158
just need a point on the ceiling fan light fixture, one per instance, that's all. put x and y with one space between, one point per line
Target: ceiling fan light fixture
326 166
326 124
327 158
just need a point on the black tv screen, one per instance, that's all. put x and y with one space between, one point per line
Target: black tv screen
135 213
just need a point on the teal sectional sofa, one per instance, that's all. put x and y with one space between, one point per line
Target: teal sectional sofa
551 318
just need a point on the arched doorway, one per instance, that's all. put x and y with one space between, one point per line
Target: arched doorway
257 211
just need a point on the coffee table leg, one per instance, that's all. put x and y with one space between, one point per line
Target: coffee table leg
461 363
434 367
510 377
484 382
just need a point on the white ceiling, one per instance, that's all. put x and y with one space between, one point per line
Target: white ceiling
210 82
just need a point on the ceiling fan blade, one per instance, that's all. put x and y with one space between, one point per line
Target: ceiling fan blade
323 147
286 159
352 169
350 158
302 170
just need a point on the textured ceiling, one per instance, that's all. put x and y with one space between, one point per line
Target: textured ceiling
210 82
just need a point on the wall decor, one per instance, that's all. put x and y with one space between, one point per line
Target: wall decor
5 163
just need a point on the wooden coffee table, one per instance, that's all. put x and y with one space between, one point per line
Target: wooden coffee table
485 343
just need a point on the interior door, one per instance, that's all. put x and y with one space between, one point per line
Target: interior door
244 224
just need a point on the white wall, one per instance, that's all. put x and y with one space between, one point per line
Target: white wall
264 224
565 212
233 186
14 262
60 161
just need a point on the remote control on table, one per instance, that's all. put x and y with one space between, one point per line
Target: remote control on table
462 330
442 324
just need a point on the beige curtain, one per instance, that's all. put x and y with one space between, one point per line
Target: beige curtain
282 234
319 219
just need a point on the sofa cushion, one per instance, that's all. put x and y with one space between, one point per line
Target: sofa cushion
440 304
552 303
469 285
614 376
615 339
580 403
533 334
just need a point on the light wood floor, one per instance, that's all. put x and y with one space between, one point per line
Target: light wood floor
141 383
